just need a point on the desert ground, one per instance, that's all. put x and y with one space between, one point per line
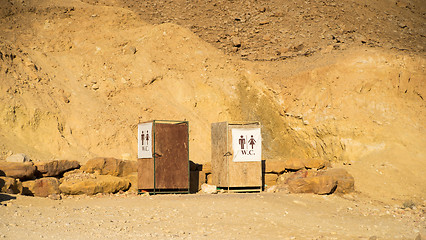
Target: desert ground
205 216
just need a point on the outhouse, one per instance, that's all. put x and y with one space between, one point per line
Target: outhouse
236 149
163 156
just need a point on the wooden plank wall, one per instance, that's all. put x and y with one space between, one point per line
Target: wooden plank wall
145 173
219 149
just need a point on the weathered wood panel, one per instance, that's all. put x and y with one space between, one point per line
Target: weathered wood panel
219 149
145 173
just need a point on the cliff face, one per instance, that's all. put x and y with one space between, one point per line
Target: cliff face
77 77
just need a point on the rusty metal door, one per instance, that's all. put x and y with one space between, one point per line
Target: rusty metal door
171 156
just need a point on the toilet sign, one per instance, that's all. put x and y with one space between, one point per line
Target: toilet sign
145 140
247 144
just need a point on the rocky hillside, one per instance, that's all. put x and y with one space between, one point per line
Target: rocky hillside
277 30
342 81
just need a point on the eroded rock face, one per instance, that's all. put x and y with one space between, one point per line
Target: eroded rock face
56 167
42 187
17 170
110 166
90 184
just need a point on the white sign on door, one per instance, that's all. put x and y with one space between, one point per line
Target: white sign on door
145 140
247 144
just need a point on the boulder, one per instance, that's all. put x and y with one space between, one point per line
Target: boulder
314 163
90 184
315 184
294 164
19 157
275 166
27 187
110 166
22 171
56 167
284 178
271 179
318 182
42 187
345 181
133 179
10 185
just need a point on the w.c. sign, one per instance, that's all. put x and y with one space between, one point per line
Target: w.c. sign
247 144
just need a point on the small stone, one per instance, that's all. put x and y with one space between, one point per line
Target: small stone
418 237
129 49
55 196
95 86
209 189
263 22
236 42
283 50
271 189
267 37
402 25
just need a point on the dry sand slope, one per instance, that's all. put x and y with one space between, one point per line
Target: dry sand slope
76 78
84 93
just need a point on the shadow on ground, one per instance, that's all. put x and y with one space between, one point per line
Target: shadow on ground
5 197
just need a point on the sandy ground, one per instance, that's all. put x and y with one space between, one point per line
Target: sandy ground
198 216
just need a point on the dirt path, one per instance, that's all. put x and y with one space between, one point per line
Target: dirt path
222 216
